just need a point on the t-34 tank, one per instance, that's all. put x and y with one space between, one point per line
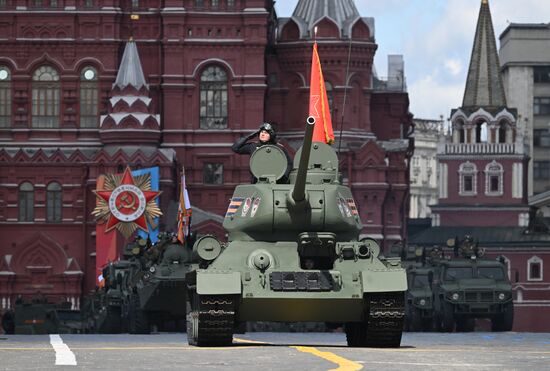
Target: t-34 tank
294 255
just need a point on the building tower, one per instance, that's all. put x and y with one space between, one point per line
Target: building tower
482 166
369 150
526 74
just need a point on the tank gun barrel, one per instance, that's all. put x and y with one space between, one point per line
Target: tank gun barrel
298 192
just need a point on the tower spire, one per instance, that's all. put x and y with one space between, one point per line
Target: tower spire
130 71
484 86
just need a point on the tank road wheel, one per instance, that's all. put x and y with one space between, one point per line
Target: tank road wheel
138 321
447 320
383 325
504 321
210 320
113 323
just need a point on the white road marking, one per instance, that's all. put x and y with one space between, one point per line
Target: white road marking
63 355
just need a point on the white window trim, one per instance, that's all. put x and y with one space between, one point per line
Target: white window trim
488 174
535 259
462 173
508 264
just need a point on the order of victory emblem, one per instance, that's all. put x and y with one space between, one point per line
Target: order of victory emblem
127 203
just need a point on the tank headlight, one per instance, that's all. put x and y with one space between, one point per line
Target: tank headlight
501 296
152 269
455 296
422 302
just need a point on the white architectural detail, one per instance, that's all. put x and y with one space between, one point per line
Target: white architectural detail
467 179
443 180
517 180
523 220
423 170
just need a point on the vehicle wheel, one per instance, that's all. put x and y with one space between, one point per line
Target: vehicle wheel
447 321
138 321
416 321
8 322
466 325
427 324
504 321
113 321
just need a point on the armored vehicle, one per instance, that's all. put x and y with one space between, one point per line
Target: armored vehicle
469 287
102 311
420 263
155 290
38 316
419 299
294 255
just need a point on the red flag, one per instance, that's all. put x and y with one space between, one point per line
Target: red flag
318 102
184 211
105 243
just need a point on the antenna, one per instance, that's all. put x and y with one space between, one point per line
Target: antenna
345 96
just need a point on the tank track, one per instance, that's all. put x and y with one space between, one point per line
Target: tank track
211 320
384 325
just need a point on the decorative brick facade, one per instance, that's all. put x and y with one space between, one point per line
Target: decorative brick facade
185 48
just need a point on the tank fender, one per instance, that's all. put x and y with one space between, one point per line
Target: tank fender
214 282
384 280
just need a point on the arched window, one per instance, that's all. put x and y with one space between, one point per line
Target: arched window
26 202
5 97
494 182
534 269
501 133
458 132
467 179
135 4
213 98
45 98
88 98
482 132
53 203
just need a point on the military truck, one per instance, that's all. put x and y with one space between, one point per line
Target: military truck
38 316
419 299
154 290
420 263
468 287
294 255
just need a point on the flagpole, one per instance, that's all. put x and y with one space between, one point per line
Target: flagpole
345 95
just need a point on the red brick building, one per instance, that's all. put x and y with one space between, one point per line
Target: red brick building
483 185
78 100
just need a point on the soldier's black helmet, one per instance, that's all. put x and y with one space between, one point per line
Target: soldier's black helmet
269 128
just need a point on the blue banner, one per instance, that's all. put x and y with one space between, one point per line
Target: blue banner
154 173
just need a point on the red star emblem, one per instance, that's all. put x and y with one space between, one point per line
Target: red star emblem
127 202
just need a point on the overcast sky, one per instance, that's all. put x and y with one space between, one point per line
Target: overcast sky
435 37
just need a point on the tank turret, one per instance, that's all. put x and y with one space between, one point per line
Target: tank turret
314 201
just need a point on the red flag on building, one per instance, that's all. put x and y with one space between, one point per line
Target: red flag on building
318 102
184 210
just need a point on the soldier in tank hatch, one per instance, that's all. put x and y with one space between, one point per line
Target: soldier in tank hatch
266 135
